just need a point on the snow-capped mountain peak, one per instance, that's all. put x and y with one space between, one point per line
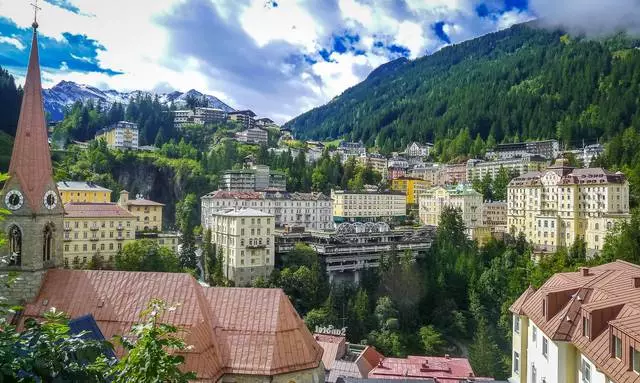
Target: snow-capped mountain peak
66 93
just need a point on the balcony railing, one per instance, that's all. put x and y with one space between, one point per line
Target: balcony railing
94 239
119 238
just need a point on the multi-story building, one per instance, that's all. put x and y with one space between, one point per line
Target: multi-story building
548 149
378 162
148 213
121 135
76 191
253 136
169 240
433 173
246 118
266 122
555 207
455 174
397 167
579 327
95 229
494 215
258 178
368 206
198 116
415 149
462 197
245 238
588 153
411 187
309 210
351 149
478 169
354 247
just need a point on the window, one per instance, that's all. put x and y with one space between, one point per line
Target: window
635 360
516 324
617 347
586 371
534 374
516 363
545 347
585 326
534 334
544 307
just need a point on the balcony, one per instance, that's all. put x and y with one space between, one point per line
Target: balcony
119 238
94 228
94 239
256 246
67 228
120 227
67 239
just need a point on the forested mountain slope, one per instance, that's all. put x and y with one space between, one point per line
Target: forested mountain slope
520 83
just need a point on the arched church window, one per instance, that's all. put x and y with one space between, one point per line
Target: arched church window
47 243
15 246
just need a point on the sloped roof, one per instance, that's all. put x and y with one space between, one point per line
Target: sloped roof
609 288
516 307
143 202
30 159
95 210
334 348
441 369
80 185
232 330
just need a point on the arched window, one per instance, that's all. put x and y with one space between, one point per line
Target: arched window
15 246
47 243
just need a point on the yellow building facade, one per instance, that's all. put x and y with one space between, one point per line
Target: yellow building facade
461 197
95 230
84 192
411 187
148 213
121 135
558 206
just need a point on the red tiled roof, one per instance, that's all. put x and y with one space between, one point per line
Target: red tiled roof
442 369
97 210
605 292
334 348
30 159
232 330
516 307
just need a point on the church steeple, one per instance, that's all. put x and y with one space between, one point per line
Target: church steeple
31 160
34 227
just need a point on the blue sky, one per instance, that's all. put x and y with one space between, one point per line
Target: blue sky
278 57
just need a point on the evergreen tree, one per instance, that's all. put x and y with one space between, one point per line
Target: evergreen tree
484 354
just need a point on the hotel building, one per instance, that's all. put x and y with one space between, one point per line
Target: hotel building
75 191
121 135
462 197
478 169
411 187
148 213
368 207
555 207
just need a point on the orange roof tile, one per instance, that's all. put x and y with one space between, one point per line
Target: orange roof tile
233 330
334 348
516 307
143 202
30 159
95 210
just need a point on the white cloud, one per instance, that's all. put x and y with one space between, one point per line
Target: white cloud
12 41
265 73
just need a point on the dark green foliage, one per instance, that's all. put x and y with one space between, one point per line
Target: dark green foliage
10 99
517 84
147 255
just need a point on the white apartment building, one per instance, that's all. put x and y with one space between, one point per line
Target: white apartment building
555 207
244 117
494 215
462 197
245 238
415 149
198 116
253 136
121 135
549 149
257 178
368 206
478 169
309 210
432 172
579 327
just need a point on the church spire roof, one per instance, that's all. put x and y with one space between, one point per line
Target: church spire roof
31 159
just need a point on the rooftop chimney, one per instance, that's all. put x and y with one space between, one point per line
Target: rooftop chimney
636 282
584 271
447 356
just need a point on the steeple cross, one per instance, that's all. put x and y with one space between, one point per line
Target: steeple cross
36 8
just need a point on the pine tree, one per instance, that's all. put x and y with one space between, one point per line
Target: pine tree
484 355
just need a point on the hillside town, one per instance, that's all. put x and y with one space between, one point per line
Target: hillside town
235 249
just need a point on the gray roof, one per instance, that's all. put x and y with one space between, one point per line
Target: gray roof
80 185
242 212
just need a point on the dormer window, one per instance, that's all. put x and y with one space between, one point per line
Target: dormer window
617 347
544 308
585 327
635 360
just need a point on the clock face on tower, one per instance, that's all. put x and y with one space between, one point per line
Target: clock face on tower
14 200
50 199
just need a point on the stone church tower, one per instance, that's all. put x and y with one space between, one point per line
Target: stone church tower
33 228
